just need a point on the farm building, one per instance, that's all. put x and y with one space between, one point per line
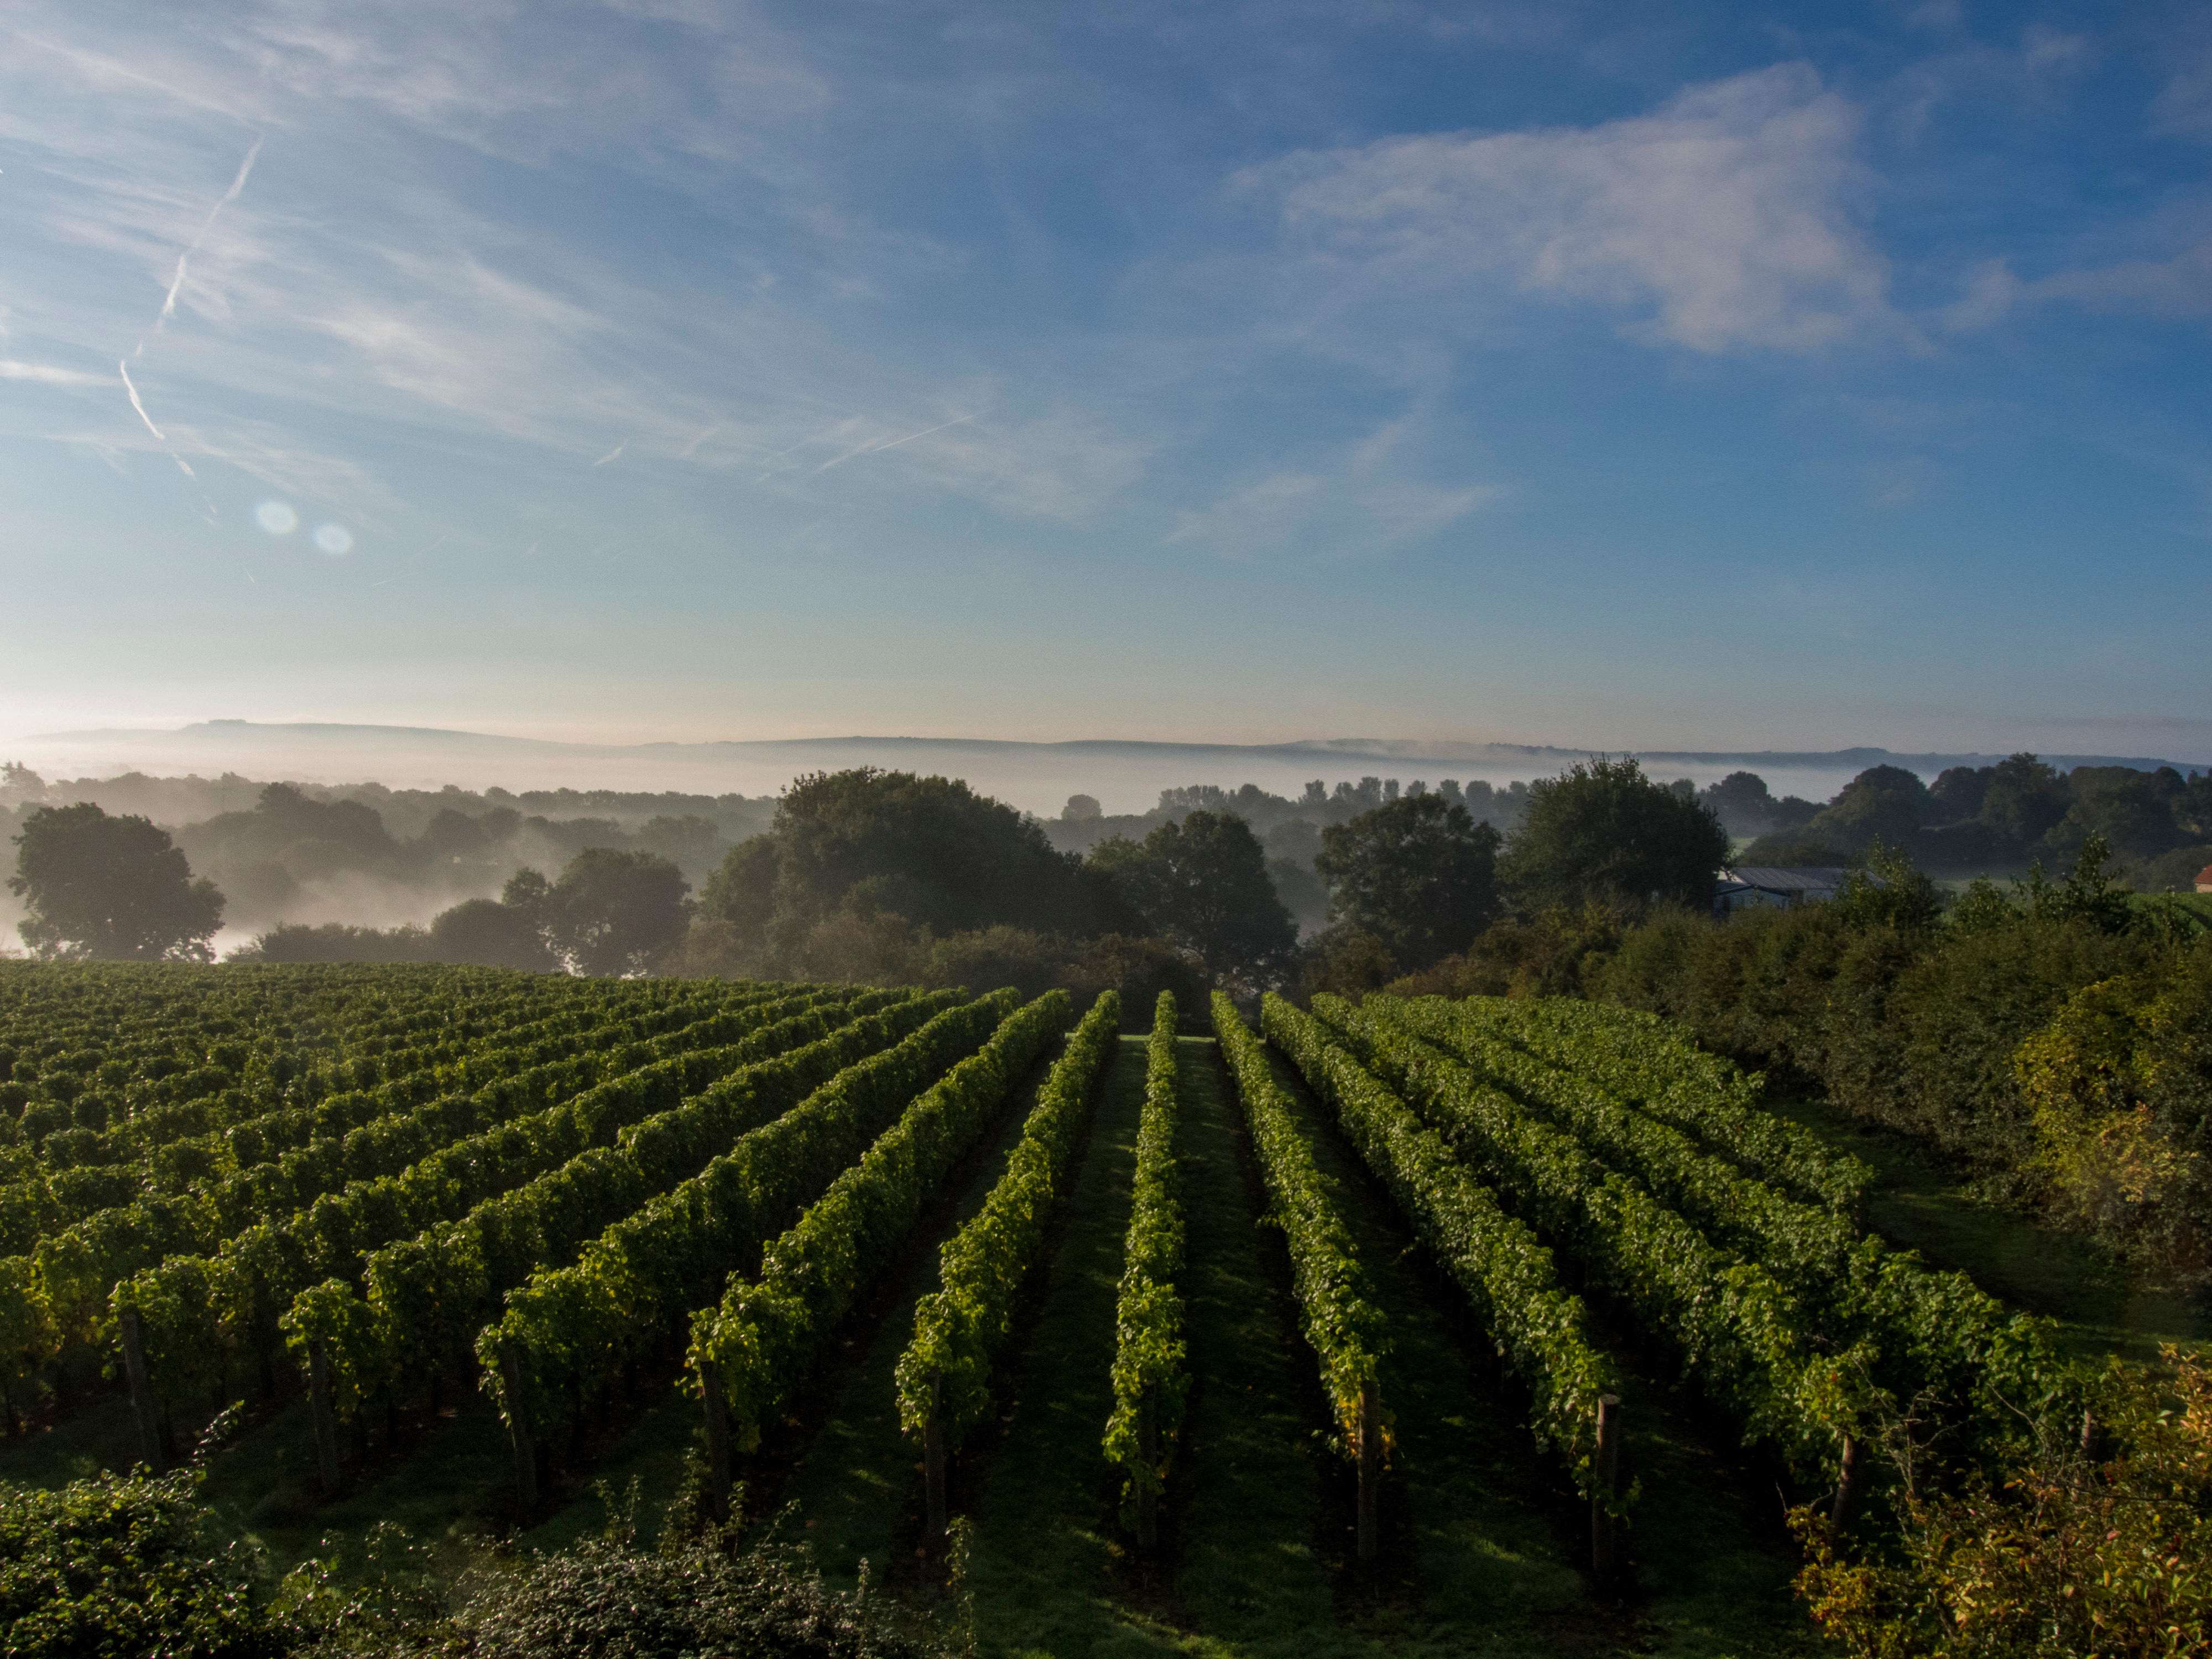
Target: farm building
1736 889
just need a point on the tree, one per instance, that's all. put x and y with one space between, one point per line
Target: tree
1419 873
1602 830
114 889
2024 799
1081 809
490 934
612 912
1203 884
742 890
926 854
1883 803
1743 803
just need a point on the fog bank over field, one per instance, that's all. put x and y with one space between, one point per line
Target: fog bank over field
1124 776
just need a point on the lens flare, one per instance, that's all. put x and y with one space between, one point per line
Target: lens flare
277 518
334 539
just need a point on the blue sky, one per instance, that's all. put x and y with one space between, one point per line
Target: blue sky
1594 374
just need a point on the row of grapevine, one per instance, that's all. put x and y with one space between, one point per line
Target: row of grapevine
944 1375
428 1296
1933 1337
472 1050
1644 1060
76 1270
290 1037
195 1155
1740 1334
1541 1330
1336 1308
750 1353
568 1332
1150 1376
195 1312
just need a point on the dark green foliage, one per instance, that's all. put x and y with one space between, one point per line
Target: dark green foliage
126 1566
494 935
336 941
1419 873
929 851
1203 884
1883 803
610 1600
1603 831
614 912
110 889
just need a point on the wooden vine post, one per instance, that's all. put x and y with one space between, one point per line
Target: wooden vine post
1148 1454
1847 1482
932 1464
717 1406
518 1429
322 1413
143 1406
1371 1466
1604 1533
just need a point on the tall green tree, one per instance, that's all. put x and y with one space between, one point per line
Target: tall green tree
928 850
490 934
112 888
1602 830
613 912
1419 874
1203 885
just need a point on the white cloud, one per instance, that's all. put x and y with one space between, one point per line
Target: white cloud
51 374
1723 221
2177 287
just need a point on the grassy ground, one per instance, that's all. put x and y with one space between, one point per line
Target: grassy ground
1922 1205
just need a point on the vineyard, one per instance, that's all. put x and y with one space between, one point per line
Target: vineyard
1443 1327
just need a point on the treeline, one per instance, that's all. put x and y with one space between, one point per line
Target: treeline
286 853
1998 819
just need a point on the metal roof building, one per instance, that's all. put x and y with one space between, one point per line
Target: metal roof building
1773 884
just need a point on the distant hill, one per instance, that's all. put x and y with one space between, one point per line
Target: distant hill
1126 774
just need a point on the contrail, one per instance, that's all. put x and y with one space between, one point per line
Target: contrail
124 369
692 448
177 281
613 454
877 449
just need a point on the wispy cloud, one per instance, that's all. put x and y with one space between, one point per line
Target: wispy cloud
49 373
1725 220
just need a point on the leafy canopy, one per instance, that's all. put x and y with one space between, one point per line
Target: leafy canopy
1203 884
1419 873
114 889
1603 831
